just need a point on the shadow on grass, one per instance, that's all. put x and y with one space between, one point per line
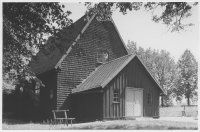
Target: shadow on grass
119 127
156 127
9 121
125 127
182 128
100 127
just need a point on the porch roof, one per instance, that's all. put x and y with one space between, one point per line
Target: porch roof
106 72
102 74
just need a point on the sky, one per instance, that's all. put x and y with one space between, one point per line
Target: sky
137 26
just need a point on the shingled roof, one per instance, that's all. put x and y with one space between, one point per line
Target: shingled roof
47 63
55 59
105 73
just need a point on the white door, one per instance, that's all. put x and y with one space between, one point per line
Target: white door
129 103
138 103
134 102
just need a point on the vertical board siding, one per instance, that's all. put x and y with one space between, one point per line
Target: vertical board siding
107 104
120 95
88 107
104 102
111 100
75 68
123 92
117 105
133 75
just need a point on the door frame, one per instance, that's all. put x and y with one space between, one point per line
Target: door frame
135 89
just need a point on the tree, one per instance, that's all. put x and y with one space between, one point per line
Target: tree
25 26
165 69
132 47
172 14
188 76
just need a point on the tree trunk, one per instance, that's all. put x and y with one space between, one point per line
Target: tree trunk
188 101
162 98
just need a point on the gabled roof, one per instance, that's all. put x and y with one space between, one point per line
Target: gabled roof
47 63
105 73
54 61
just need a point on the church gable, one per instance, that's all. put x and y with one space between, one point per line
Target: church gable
82 60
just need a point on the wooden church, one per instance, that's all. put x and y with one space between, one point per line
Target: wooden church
104 82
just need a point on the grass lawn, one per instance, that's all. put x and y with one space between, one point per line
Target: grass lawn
176 111
137 125
120 124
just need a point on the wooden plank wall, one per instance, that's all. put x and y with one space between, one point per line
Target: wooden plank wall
133 75
87 107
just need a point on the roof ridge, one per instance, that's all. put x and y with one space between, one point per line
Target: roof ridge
100 67
131 56
112 21
39 67
125 62
45 43
151 74
77 38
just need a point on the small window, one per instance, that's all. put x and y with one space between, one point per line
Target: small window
102 56
149 98
37 88
116 95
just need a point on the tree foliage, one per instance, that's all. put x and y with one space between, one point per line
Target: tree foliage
188 76
165 72
172 12
172 15
132 47
25 26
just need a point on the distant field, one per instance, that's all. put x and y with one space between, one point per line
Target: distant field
176 111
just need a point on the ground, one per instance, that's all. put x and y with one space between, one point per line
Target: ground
165 122
122 124
176 111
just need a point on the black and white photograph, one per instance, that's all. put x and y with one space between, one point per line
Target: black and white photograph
78 65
